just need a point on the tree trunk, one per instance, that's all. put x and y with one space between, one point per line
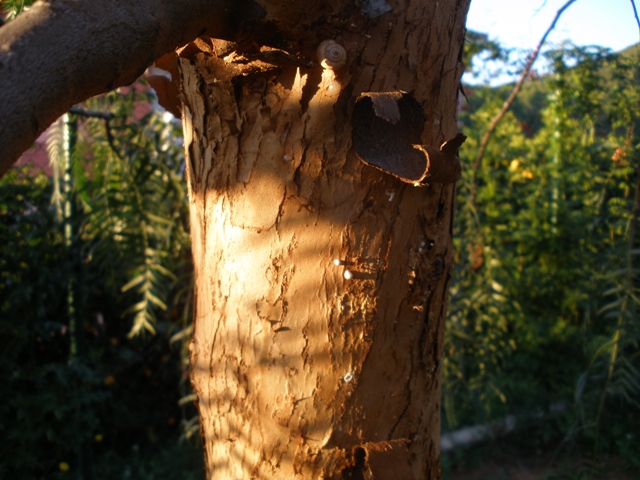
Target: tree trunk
321 282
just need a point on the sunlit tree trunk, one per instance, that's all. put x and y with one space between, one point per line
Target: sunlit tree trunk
321 283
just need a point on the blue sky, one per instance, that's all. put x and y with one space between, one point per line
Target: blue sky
521 23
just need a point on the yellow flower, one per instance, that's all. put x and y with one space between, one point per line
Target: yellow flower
513 166
527 174
63 466
98 437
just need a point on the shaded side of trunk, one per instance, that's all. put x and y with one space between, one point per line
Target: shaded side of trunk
321 283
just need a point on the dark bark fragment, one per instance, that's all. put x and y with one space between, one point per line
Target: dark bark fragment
386 135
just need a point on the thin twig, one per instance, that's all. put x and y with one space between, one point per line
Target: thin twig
91 113
512 97
106 116
635 13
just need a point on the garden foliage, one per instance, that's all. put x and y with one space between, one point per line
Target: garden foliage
89 261
544 297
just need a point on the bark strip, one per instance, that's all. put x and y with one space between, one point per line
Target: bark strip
386 135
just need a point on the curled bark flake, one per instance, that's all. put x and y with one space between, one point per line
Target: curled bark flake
201 44
386 130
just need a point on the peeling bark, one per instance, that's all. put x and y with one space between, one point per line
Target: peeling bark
321 283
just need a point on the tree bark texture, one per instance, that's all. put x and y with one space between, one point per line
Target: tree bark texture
61 52
321 283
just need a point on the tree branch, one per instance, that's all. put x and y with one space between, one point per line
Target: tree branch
59 53
512 97
91 113
635 13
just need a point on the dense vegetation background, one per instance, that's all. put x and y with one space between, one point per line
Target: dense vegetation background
94 301
543 320
95 282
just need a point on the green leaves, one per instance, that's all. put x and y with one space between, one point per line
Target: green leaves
135 204
545 288
13 8
147 285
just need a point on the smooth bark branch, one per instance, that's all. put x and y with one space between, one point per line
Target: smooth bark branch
62 52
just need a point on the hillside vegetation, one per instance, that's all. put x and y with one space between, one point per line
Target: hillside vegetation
544 300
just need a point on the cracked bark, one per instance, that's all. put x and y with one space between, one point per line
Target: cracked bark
302 370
